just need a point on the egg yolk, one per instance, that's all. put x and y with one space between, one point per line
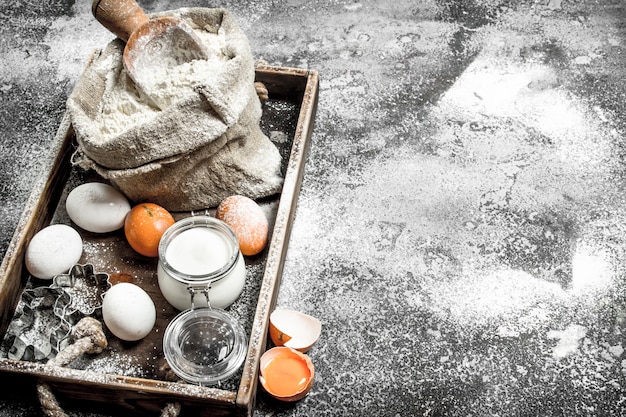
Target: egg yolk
286 375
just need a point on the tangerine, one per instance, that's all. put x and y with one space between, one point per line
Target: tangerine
144 225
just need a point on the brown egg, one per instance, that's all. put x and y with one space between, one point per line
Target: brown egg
248 221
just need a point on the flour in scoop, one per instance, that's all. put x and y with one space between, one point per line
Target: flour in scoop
177 75
125 106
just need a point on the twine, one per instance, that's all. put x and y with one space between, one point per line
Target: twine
261 91
89 338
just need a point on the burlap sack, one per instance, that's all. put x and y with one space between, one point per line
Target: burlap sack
203 147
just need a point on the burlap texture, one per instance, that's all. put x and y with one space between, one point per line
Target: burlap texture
204 147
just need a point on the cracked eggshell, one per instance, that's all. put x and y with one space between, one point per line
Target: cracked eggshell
97 207
294 329
53 250
286 374
128 311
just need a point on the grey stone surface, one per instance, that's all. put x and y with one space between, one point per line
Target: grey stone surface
460 230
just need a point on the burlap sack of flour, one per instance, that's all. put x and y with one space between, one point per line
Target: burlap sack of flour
203 146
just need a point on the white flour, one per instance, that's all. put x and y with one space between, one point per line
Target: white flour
568 340
124 106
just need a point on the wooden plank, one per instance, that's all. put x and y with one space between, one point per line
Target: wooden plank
284 83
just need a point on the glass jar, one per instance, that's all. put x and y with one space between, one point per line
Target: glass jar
201 271
204 345
200 254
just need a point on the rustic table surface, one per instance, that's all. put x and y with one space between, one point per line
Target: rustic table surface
460 228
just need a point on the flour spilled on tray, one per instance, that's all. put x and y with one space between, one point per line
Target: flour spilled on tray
114 363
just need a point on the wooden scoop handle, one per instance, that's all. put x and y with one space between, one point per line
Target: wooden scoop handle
122 17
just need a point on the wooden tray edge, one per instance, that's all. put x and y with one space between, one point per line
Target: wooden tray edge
278 246
46 191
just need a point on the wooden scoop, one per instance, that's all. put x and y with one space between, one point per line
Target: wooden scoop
152 45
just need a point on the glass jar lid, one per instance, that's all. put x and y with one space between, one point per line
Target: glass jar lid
204 345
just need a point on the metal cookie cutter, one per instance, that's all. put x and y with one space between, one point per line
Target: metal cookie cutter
45 316
85 287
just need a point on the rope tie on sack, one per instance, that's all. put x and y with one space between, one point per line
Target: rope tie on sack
261 91
89 338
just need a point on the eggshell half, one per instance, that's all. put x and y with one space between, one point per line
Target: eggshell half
294 329
286 374
97 207
128 311
53 250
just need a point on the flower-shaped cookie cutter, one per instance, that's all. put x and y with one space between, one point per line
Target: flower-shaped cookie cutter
85 287
44 318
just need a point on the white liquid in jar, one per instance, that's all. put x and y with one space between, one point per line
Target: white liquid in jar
197 251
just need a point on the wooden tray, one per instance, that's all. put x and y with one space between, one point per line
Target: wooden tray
288 115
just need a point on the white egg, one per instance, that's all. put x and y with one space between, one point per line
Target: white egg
53 250
128 311
97 207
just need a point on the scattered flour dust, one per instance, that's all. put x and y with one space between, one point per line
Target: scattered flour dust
512 300
568 340
115 363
